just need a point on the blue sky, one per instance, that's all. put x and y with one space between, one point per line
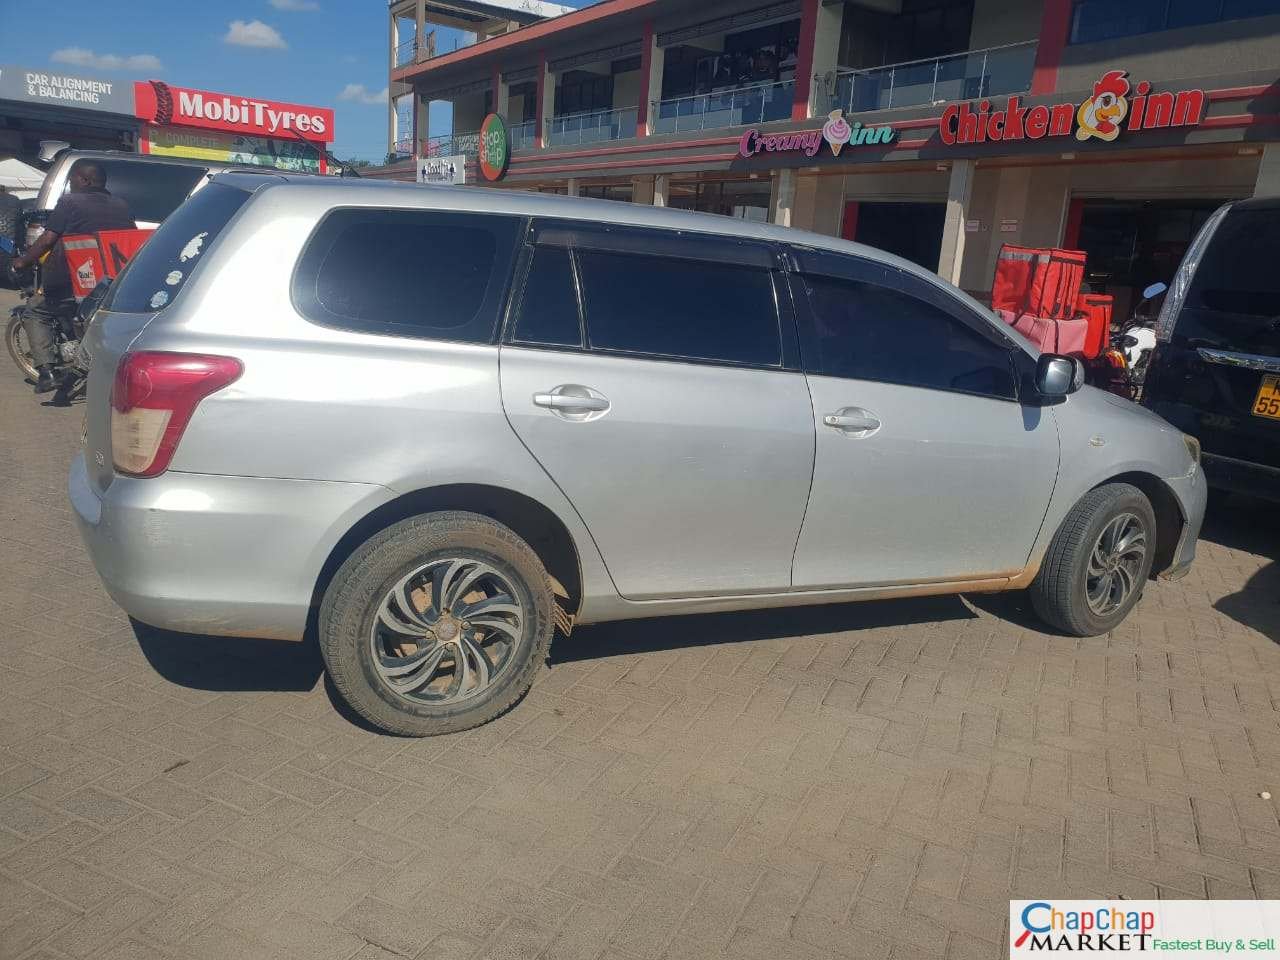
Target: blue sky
303 51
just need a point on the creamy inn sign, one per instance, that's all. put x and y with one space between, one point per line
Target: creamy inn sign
1115 107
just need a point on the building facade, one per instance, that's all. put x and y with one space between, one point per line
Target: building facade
153 117
937 129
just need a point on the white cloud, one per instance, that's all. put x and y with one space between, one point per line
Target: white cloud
254 33
295 6
358 93
80 57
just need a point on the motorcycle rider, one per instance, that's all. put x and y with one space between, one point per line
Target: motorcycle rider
87 208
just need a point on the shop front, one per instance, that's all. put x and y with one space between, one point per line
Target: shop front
182 122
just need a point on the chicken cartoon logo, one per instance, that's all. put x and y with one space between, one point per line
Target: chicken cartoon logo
1101 115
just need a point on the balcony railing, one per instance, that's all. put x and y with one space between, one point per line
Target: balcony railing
961 76
524 136
593 126
431 45
759 103
450 144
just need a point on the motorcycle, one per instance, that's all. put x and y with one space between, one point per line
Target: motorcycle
1138 339
1121 368
72 369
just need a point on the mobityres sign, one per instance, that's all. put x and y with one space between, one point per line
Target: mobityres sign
165 105
58 88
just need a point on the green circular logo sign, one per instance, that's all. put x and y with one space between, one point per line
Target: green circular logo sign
495 147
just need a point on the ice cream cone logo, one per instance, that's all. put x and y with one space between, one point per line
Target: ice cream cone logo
836 131
1101 115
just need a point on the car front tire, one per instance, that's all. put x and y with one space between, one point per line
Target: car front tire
1098 562
437 624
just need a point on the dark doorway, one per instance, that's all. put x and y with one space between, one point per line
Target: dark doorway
1133 243
911 230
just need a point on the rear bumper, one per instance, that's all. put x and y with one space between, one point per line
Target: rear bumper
1192 493
233 556
1242 476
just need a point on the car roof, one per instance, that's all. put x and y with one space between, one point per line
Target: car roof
1257 203
344 191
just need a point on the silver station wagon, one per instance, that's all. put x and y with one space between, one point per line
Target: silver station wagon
448 422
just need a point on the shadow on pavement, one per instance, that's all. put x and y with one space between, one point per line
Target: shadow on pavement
671 633
1253 526
229 663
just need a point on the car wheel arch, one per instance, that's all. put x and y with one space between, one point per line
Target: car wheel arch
531 520
1169 518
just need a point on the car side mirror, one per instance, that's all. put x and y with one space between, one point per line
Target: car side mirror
1058 376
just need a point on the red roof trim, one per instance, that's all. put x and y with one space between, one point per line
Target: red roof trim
535 31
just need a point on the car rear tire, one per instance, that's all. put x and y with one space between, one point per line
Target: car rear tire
437 624
1098 562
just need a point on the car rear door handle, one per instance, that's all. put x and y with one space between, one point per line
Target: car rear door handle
573 401
853 421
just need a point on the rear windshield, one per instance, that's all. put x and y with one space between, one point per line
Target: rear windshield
1238 273
157 274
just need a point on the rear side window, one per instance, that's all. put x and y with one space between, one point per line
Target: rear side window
548 313
152 190
160 270
686 309
1238 272
407 273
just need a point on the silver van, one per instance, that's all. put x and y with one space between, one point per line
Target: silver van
153 187
450 421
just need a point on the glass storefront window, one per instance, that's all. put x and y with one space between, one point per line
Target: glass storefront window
742 199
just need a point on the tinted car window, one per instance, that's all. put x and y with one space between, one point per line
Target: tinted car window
407 273
152 190
689 309
549 307
161 269
869 331
1238 272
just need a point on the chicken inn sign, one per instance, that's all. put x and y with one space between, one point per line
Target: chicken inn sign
1115 107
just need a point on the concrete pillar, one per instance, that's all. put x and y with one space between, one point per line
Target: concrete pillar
1268 182
959 194
420 25
394 40
501 93
642 190
661 190
826 57
421 121
652 58
783 198
571 186
546 100
819 204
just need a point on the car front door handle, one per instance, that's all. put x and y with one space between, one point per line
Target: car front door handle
570 404
853 421
573 401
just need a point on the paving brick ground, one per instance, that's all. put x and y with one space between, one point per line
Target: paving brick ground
867 781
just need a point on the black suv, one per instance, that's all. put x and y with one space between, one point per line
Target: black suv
1215 373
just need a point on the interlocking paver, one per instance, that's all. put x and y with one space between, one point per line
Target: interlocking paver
866 781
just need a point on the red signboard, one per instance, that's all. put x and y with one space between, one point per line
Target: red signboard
1114 107
160 103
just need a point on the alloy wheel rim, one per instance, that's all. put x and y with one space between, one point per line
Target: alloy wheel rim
446 632
1115 564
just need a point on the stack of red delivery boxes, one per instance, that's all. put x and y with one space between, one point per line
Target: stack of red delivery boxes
1037 292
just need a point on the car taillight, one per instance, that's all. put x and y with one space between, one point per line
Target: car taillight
152 400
